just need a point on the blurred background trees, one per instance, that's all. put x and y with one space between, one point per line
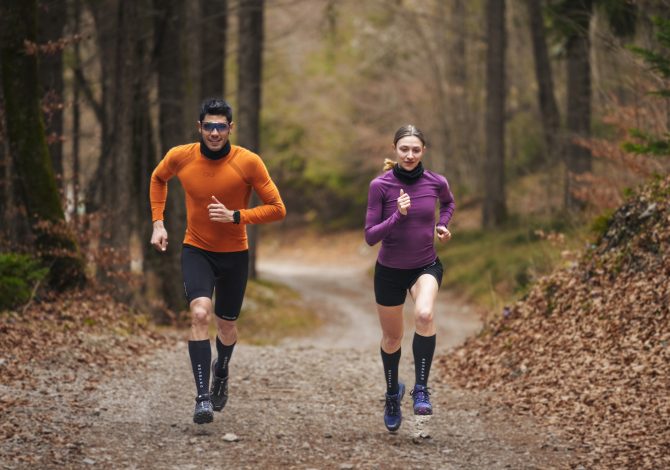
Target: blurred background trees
525 104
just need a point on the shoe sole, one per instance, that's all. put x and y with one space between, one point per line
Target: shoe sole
203 417
421 412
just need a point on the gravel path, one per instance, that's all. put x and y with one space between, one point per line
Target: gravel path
313 402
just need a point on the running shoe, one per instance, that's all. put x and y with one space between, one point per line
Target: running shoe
219 391
421 397
392 411
203 410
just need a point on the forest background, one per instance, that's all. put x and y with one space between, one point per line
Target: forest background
540 114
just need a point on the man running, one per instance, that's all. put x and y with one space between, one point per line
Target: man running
217 178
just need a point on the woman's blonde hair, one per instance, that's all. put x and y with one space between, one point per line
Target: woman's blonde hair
404 131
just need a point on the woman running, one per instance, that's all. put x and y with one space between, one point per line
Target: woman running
401 214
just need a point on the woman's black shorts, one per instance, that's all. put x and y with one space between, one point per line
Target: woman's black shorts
392 284
203 271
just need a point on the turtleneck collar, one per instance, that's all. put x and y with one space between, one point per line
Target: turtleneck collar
214 155
408 177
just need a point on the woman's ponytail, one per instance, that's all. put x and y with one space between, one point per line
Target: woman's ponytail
388 164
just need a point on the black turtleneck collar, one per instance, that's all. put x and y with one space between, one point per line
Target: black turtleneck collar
214 155
408 177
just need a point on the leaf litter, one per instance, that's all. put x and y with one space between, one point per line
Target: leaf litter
588 349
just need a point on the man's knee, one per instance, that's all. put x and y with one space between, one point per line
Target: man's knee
200 312
391 342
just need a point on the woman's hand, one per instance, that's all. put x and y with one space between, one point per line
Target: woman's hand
403 202
443 233
219 213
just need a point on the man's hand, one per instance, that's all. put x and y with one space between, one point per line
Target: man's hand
159 237
443 233
219 213
403 202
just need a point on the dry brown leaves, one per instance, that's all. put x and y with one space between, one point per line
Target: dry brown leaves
57 349
78 328
588 350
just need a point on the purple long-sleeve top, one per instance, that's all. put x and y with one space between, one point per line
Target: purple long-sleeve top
407 240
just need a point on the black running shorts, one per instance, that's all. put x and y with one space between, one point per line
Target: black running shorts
204 271
392 284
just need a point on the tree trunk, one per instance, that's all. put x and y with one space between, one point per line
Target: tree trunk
250 57
172 133
102 14
494 207
214 14
578 158
545 80
551 120
51 24
119 35
26 135
76 116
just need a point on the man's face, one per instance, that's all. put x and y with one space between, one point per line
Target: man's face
215 131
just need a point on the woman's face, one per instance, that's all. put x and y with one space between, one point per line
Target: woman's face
409 151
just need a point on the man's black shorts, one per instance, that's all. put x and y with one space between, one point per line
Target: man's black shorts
392 284
203 271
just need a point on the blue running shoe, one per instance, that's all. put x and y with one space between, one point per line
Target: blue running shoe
219 392
204 413
421 397
392 411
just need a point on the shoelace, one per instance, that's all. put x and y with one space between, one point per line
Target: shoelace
392 405
218 386
421 395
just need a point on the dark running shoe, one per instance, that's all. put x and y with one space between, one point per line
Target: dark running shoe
203 410
421 397
392 411
219 391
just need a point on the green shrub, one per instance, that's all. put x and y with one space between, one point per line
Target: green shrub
18 275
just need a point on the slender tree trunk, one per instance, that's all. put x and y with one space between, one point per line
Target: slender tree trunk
249 94
26 135
76 116
172 133
494 208
51 24
545 80
119 35
578 158
103 16
459 147
7 205
214 14
549 113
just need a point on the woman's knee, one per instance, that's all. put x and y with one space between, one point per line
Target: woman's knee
423 317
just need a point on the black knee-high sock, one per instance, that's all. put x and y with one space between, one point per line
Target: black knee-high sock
423 348
200 353
225 352
391 362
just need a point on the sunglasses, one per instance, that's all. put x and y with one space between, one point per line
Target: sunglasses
219 126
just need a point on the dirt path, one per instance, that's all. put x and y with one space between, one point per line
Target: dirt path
309 403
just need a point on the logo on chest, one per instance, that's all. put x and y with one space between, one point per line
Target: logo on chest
208 173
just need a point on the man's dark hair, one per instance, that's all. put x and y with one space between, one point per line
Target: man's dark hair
217 107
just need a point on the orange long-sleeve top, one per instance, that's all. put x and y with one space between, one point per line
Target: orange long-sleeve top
230 180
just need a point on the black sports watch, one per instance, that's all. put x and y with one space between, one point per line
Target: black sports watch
236 217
